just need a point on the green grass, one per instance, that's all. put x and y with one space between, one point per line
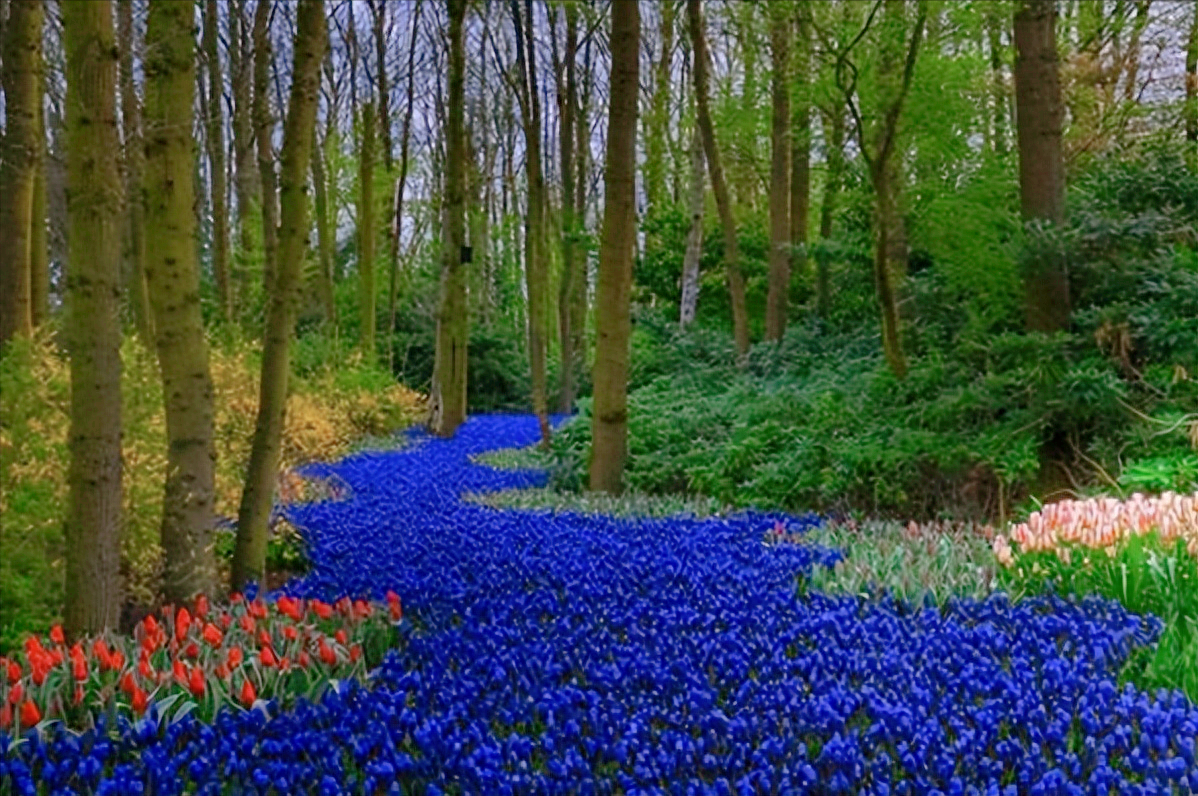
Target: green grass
628 505
530 458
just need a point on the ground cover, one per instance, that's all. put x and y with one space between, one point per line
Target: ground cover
557 652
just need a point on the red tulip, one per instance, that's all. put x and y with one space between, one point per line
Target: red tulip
151 625
41 668
268 657
355 652
80 669
284 664
212 635
57 636
140 700
264 638
180 671
258 608
14 672
78 694
341 637
221 671
326 654
100 649
235 657
116 660
290 633
182 623
247 693
5 716
344 605
145 669
362 609
196 682
14 696
127 684
202 605
304 660
323 610
235 597
247 623
225 620
30 715
192 651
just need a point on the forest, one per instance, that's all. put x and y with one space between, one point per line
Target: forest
599 396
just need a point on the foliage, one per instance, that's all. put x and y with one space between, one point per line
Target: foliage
330 409
563 651
195 662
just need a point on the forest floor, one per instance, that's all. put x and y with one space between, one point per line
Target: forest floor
551 651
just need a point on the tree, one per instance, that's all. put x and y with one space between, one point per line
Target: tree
779 278
609 429
215 137
536 269
245 180
264 126
1039 114
800 140
132 161
694 237
736 280
173 277
249 553
22 153
1191 106
93 525
448 398
573 266
39 242
366 294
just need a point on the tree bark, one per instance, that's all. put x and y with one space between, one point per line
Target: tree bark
245 188
827 214
93 524
173 276
401 182
736 280
264 125
779 259
572 280
39 242
1191 102
582 152
994 27
324 236
536 269
367 310
657 124
380 51
215 128
694 237
800 142
21 157
609 429
249 554
448 398
1041 165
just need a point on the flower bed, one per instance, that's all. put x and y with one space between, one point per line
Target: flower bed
561 653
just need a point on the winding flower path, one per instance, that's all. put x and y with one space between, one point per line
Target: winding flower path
560 653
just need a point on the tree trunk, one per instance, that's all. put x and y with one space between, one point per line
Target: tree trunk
324 236
366 297
21 152
264 126
779 259
448 398
536 268
736 281
93 524
572 280
892 345
823 287
609 429
1041 166
245 188
657 124
800 143
380 50
582 151
994 27
39 243
215 127
1191 102
249 554
694 238
173 275
401 182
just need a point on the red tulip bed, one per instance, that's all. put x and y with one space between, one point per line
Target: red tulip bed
556 653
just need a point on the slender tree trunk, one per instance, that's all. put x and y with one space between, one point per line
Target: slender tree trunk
780 144
536 267
694 238
380 50
582 151
657 124
264 125
609 429
93 525
736 281
215 126
366 294
324 235
1191 102
173 275
571 280
800 142
245 187
1041 165
39 243
448 399
249 554
994 28
823 287
21 156
401 182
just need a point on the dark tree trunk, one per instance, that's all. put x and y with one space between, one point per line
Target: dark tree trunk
800 150
609 429
572 279
264 125
215 135
779 259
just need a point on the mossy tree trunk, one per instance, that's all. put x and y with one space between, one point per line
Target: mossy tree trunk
448 399
573 267
800 140
20 155
609 423
93 524
249 554
402 180
1191 101
39 238
215 137
264 126
173 276
736 280
366 293
134 271
779 258
694 237
241 63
